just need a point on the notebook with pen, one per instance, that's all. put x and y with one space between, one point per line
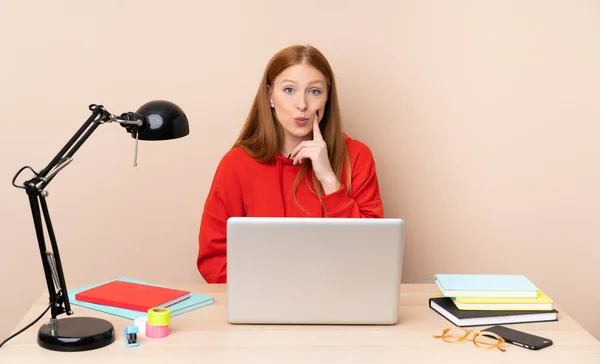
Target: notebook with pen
194 301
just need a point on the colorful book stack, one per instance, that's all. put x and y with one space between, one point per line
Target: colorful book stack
132 298
488 299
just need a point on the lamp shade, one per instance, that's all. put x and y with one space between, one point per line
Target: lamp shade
163 120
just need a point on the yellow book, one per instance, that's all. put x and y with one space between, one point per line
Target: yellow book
541 303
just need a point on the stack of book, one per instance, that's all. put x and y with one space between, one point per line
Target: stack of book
488 299
132 298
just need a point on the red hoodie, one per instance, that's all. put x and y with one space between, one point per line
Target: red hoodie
244 187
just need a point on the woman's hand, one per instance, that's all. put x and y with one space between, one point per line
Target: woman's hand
316 151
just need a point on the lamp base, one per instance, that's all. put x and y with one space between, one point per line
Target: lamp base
76 334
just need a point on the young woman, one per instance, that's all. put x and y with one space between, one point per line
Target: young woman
291 158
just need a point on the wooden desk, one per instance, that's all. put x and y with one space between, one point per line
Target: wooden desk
204 336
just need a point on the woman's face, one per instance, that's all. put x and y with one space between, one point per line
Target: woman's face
296 94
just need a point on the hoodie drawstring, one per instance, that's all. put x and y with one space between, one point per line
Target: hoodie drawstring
280 176
280 161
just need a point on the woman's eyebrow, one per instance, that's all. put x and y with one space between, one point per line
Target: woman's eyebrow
311 82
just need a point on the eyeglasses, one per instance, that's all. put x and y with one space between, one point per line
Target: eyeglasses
481 339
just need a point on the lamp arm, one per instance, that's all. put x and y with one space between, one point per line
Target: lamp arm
99 115
51 262
59 158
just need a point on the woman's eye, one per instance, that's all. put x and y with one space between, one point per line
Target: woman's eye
315 92
288 90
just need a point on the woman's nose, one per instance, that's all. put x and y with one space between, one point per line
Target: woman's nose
302 103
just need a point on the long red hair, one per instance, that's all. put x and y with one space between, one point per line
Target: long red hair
262 135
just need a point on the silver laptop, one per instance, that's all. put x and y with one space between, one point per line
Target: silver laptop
314 270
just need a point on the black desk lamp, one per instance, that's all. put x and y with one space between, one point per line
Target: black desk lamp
155 120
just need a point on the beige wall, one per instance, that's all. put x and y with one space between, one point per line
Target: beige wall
483 117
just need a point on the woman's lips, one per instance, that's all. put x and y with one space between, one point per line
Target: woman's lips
301 121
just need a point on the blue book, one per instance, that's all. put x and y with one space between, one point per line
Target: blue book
485 285
195 301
